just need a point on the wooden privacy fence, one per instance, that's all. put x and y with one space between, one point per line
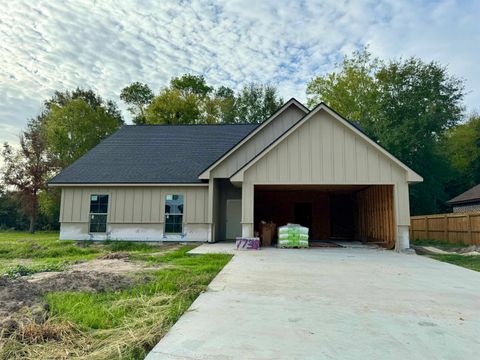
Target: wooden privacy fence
453 227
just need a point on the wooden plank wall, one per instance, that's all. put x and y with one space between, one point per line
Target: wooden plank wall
375 217
453 227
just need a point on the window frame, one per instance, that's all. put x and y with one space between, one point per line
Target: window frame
181 214
90 213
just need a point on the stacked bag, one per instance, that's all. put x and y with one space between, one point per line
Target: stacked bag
292 235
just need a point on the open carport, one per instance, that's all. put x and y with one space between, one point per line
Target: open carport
331 212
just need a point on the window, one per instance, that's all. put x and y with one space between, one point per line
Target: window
174 214
98 213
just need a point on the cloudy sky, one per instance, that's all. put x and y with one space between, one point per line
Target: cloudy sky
56 45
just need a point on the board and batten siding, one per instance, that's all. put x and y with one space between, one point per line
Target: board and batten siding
134 205
325 151
258 142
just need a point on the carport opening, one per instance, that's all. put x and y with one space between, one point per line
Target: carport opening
338 212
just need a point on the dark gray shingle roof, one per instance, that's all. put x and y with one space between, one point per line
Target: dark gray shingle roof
154 154
471 195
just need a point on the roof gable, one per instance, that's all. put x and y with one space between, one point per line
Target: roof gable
411 175
205 174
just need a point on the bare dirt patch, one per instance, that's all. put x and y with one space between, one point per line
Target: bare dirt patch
22 302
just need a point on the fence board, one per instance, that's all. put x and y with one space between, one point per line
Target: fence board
453 227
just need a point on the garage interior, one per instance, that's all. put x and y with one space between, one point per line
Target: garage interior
332 212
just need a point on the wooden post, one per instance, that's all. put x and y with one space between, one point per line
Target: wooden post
445 227
427 235
469 223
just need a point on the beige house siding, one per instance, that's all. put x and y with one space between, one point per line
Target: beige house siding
325 151
258 142
134 205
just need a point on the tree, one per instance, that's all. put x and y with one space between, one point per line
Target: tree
27 168
462 147
138 96
405 105
190 100
191 84
74 126
256 102
352 91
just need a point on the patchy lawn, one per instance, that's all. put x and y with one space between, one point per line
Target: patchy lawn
467 261
63 299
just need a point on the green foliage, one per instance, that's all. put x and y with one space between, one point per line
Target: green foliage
49 204
462 146
407 106
471 262
137 96
75 127
26 169
10 215
352 91
24 270
191 84
190 100
256 102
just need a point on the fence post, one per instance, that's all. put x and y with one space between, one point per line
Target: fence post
445 227
427 236
470 235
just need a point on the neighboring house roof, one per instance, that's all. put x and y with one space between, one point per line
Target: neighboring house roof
412 176
471 195
154 154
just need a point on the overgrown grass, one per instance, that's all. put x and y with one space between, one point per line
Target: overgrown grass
471 262
106 325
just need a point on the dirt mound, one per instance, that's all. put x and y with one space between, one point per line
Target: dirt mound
115 256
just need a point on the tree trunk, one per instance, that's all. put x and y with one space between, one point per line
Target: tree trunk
32 224
33 214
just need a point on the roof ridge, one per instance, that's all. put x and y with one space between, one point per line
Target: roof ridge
187 125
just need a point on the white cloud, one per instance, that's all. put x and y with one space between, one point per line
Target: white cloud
57 45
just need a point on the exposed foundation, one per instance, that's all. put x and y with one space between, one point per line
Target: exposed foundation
135 232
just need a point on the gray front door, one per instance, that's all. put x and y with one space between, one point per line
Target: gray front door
234 216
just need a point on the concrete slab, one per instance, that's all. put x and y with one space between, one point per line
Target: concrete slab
331 303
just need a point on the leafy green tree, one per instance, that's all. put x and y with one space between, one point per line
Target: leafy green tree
74 126
352 90
27 169
256 102
462 146
138 96
190 100
227 102
405 105
191 84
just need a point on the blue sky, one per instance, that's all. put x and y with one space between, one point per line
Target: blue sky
57 45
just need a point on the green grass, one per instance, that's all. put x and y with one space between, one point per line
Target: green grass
106 325
43 249
471 262
437 243
23 270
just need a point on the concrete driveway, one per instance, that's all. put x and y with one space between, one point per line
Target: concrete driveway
330 304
